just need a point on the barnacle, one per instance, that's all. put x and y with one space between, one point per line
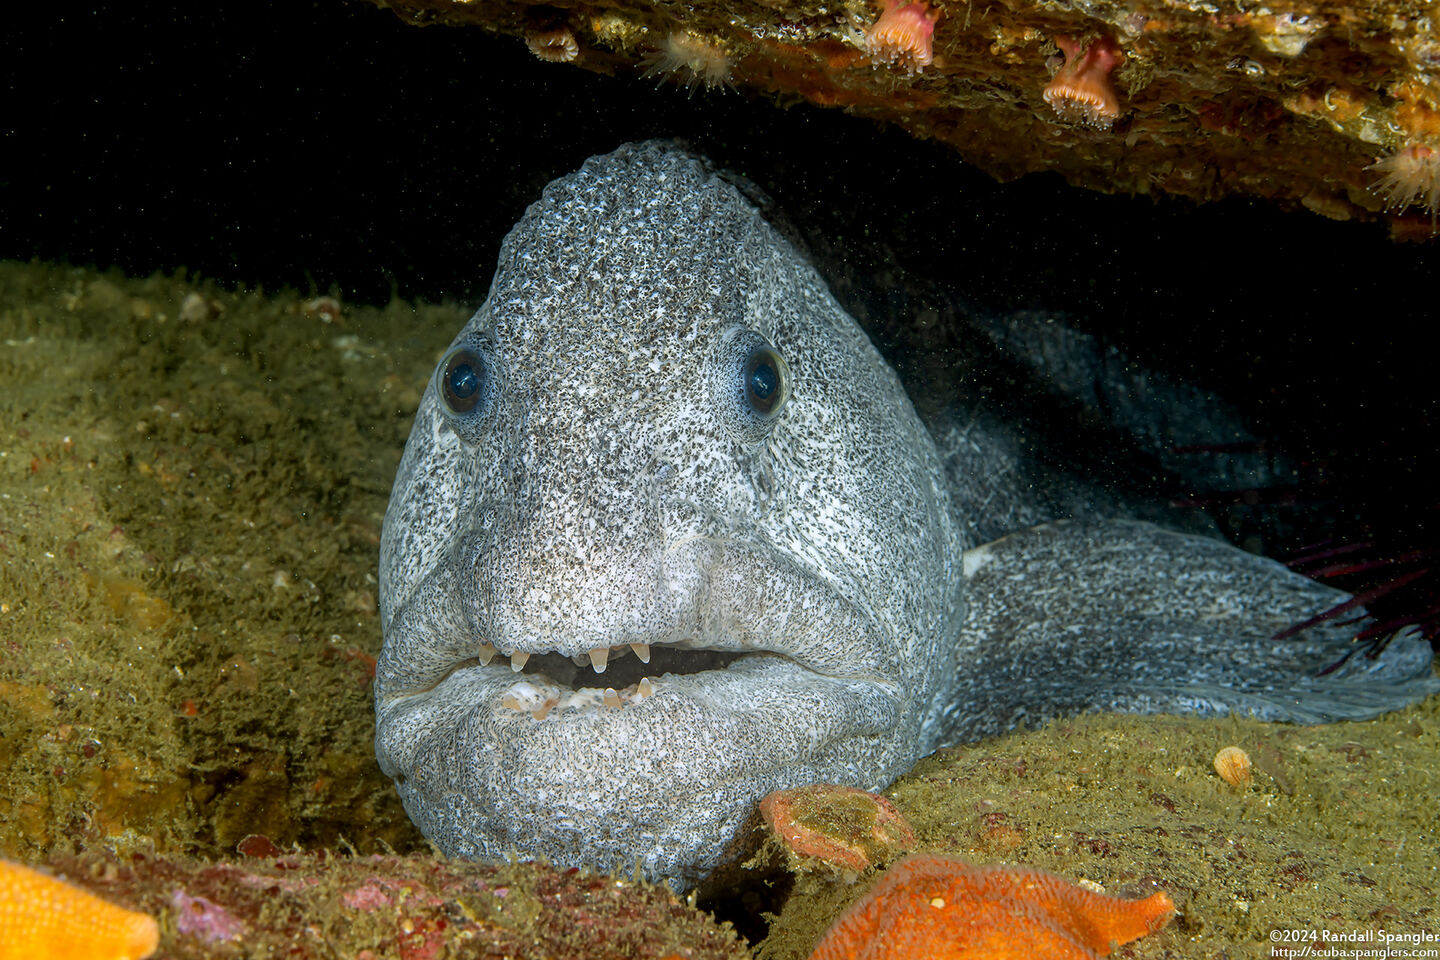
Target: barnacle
1081 91
556 44
903 35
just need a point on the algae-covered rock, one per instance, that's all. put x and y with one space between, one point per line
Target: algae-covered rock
1334 833
314 905
1289 101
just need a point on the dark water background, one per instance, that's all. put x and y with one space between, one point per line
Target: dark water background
329 146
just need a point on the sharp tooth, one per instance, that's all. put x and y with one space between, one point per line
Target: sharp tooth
641 650
579 659
644 689
598 656
487 653
517 661
612 699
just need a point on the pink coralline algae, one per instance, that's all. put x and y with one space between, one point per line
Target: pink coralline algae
204 919
903 35
1082 91
314 905
371 895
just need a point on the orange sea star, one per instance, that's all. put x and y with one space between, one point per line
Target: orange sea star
42 918
946 909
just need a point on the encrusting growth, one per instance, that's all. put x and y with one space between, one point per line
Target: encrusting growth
844 828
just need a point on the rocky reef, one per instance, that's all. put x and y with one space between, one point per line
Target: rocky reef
1331 107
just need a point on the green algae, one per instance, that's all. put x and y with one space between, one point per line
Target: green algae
192 482
1339 829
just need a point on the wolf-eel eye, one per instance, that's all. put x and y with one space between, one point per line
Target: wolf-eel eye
750 384
462 380
466 384
765 376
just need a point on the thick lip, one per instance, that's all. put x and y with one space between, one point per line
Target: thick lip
604 678
747 697
766 684
665 783
433 637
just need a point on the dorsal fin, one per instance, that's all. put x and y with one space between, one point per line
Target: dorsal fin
1124 615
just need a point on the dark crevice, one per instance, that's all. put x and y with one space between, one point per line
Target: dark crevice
622 671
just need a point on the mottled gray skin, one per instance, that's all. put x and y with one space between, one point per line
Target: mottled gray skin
613 486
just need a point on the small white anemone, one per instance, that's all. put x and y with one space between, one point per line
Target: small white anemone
690 58
1409 177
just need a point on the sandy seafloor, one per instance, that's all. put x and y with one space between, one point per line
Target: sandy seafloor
192 483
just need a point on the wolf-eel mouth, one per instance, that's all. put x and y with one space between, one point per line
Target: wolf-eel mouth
661 695
604 677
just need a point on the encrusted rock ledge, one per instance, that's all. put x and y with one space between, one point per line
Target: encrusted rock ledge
1331 106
